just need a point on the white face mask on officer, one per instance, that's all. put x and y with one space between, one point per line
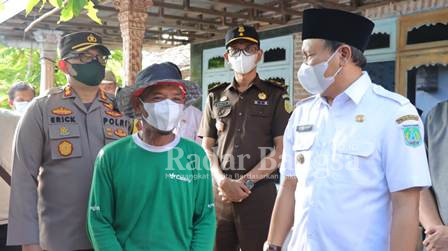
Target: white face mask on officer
243 64
21 106
164 115
312 77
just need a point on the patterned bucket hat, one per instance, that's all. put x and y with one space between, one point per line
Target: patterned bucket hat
156 74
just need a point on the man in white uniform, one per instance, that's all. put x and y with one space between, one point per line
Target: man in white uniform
189 123
354 157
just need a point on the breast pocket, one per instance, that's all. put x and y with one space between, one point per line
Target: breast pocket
303 152
223 112
351 162
65 141
261 111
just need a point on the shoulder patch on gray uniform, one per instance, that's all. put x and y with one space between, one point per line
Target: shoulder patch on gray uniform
379 90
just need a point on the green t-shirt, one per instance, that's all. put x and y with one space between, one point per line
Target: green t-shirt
151 198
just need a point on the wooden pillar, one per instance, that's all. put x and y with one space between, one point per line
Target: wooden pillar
47 40
132 15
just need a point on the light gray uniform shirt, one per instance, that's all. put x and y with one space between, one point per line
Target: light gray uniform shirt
56 144
437 142
8 124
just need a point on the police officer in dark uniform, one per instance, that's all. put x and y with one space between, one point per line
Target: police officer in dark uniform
56 144
245 120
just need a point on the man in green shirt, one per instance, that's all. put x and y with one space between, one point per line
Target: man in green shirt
152 190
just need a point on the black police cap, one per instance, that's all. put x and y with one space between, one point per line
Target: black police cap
242 32
79 42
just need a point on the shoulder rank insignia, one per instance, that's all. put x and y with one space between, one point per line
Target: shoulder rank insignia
120 133
277 84
407 117
213 87
114 114
412 135
65 148
61 111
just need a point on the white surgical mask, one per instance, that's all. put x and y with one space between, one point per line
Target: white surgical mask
243 64
21 106
312 77
163 115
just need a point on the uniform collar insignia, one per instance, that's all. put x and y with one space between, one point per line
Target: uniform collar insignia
68 92
103 96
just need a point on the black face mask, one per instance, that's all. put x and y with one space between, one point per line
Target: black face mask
90 74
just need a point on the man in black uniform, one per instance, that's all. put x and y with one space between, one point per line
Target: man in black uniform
246 121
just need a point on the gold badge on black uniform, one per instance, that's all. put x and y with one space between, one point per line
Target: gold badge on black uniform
262 96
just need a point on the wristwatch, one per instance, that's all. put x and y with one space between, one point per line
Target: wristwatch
249 183
270 247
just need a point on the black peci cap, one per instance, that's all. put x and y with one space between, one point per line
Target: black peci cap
337 25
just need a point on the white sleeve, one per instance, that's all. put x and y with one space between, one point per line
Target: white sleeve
287 164
404 156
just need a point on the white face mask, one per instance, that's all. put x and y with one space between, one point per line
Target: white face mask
243 64
21 106
312 77
163 115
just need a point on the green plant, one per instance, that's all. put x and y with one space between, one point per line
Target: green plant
69 8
